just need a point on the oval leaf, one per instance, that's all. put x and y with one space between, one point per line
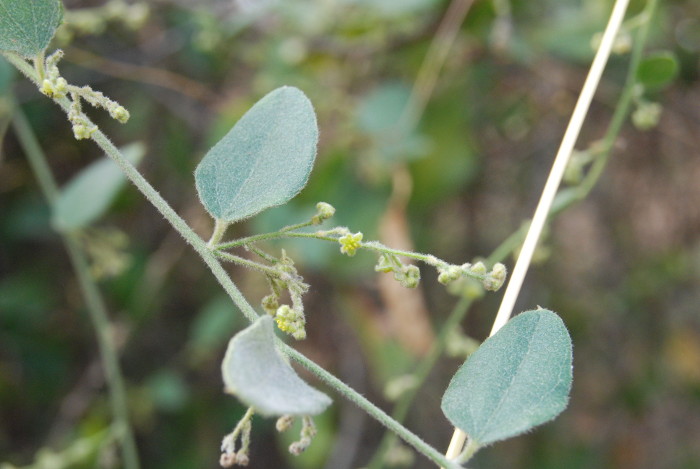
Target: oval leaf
27 26
519 378
257 373
263 161
88 195
657 70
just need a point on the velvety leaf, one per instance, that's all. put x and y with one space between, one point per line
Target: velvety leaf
88 195
519 378
657 70
257 373
27 26
263 161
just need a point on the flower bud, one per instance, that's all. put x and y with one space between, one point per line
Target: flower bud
324 211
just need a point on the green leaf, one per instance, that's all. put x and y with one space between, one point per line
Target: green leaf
657 70
88 195
519 378
263 161
258 374
27 26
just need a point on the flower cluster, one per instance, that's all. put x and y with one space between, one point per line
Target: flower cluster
229 455
308 431
55 86
290 319
491 281
408 275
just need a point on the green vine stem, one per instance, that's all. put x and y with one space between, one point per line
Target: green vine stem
209 257
96 307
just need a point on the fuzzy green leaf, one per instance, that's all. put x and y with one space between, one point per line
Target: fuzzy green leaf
519 378
657 70
27 26
257 373
88 195
263 161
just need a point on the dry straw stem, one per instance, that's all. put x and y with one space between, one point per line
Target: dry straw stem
551 187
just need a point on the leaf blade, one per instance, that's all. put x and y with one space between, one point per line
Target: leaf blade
27 26
255 371
658 70
518 379
263 161
89 194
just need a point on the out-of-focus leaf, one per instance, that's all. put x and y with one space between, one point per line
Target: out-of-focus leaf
27 26
264 160
657 70
519 378
88 195
214 324
168 390
256 373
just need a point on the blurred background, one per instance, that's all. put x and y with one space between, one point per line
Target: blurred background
487 112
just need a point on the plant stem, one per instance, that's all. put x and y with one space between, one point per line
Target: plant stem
262 237
220 227
93 299
551 187
362 402
247 263
200 246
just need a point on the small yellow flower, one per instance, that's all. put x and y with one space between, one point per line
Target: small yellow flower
350 243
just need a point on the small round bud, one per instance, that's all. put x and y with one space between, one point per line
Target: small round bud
384 265
324 211
411 277
270 304
297 448
60 87
119 113
228 460
82 131
449 274
284 423
647 115
47 88
479 268
242 459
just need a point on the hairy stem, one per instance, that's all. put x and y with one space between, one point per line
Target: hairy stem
96 307
209 257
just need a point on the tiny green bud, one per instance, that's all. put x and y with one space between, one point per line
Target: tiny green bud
384 265
495 279
324 211
350 243
119 113
82 131
479 268
647 115
411 278
47 88
449 274
270 304
60 87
